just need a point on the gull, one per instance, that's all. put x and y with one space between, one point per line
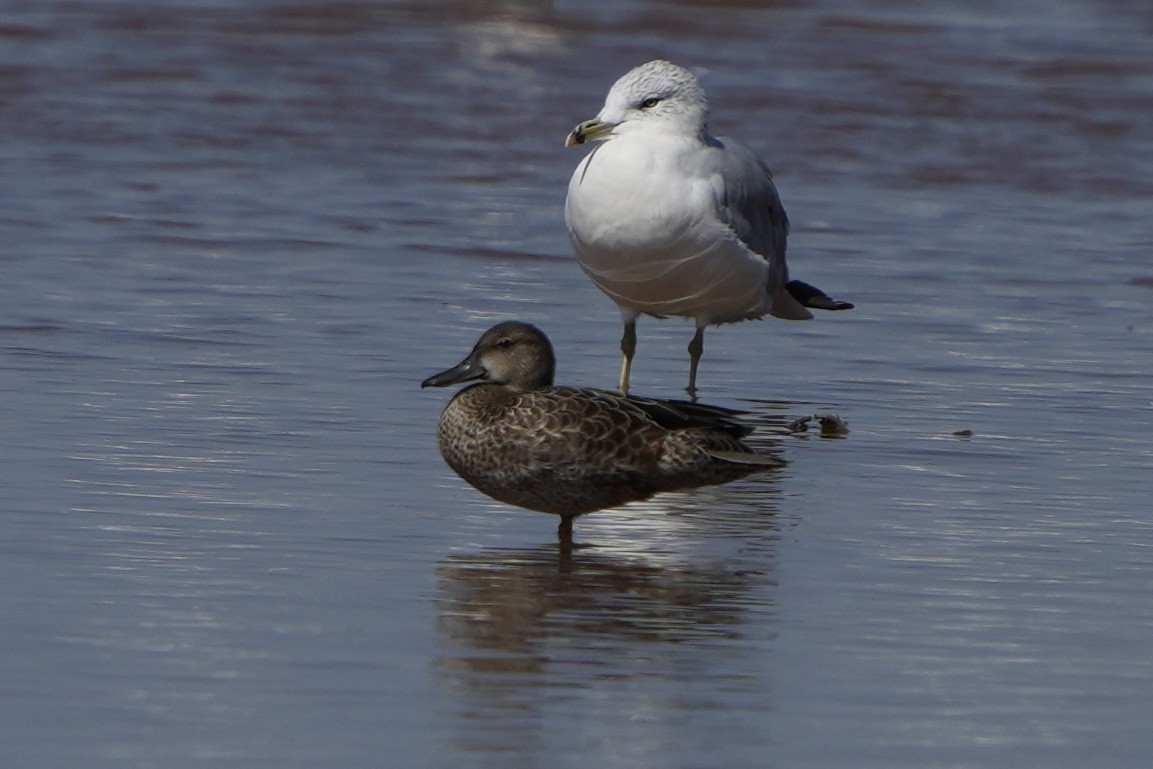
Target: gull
668 219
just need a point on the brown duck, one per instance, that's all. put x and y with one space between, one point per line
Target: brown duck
572 450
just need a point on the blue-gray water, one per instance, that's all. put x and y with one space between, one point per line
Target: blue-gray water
237 235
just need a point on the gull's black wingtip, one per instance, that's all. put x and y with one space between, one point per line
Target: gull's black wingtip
811 296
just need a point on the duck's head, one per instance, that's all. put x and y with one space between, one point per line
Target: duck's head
517 355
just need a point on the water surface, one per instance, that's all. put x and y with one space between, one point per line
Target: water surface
238 235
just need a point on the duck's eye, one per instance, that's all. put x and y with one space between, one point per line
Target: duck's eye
504 342
650 102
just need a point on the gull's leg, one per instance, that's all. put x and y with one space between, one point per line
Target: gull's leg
696 347
628 348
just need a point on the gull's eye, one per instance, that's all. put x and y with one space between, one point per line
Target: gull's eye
650 102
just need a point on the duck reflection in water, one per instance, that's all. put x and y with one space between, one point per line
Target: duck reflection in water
534 637
572 450
503 607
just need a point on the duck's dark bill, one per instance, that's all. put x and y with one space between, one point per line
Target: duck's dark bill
465 371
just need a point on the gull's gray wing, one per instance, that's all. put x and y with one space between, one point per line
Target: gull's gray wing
752 208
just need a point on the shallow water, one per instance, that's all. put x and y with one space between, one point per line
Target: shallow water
238 235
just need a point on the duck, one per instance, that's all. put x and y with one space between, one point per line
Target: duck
517 437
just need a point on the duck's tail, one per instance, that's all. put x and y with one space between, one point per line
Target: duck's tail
747 458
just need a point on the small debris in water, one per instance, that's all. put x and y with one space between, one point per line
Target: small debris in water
799 425
963 434
832 426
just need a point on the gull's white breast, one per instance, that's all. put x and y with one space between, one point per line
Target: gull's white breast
642 213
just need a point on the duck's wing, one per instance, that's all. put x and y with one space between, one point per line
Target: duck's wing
681 415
